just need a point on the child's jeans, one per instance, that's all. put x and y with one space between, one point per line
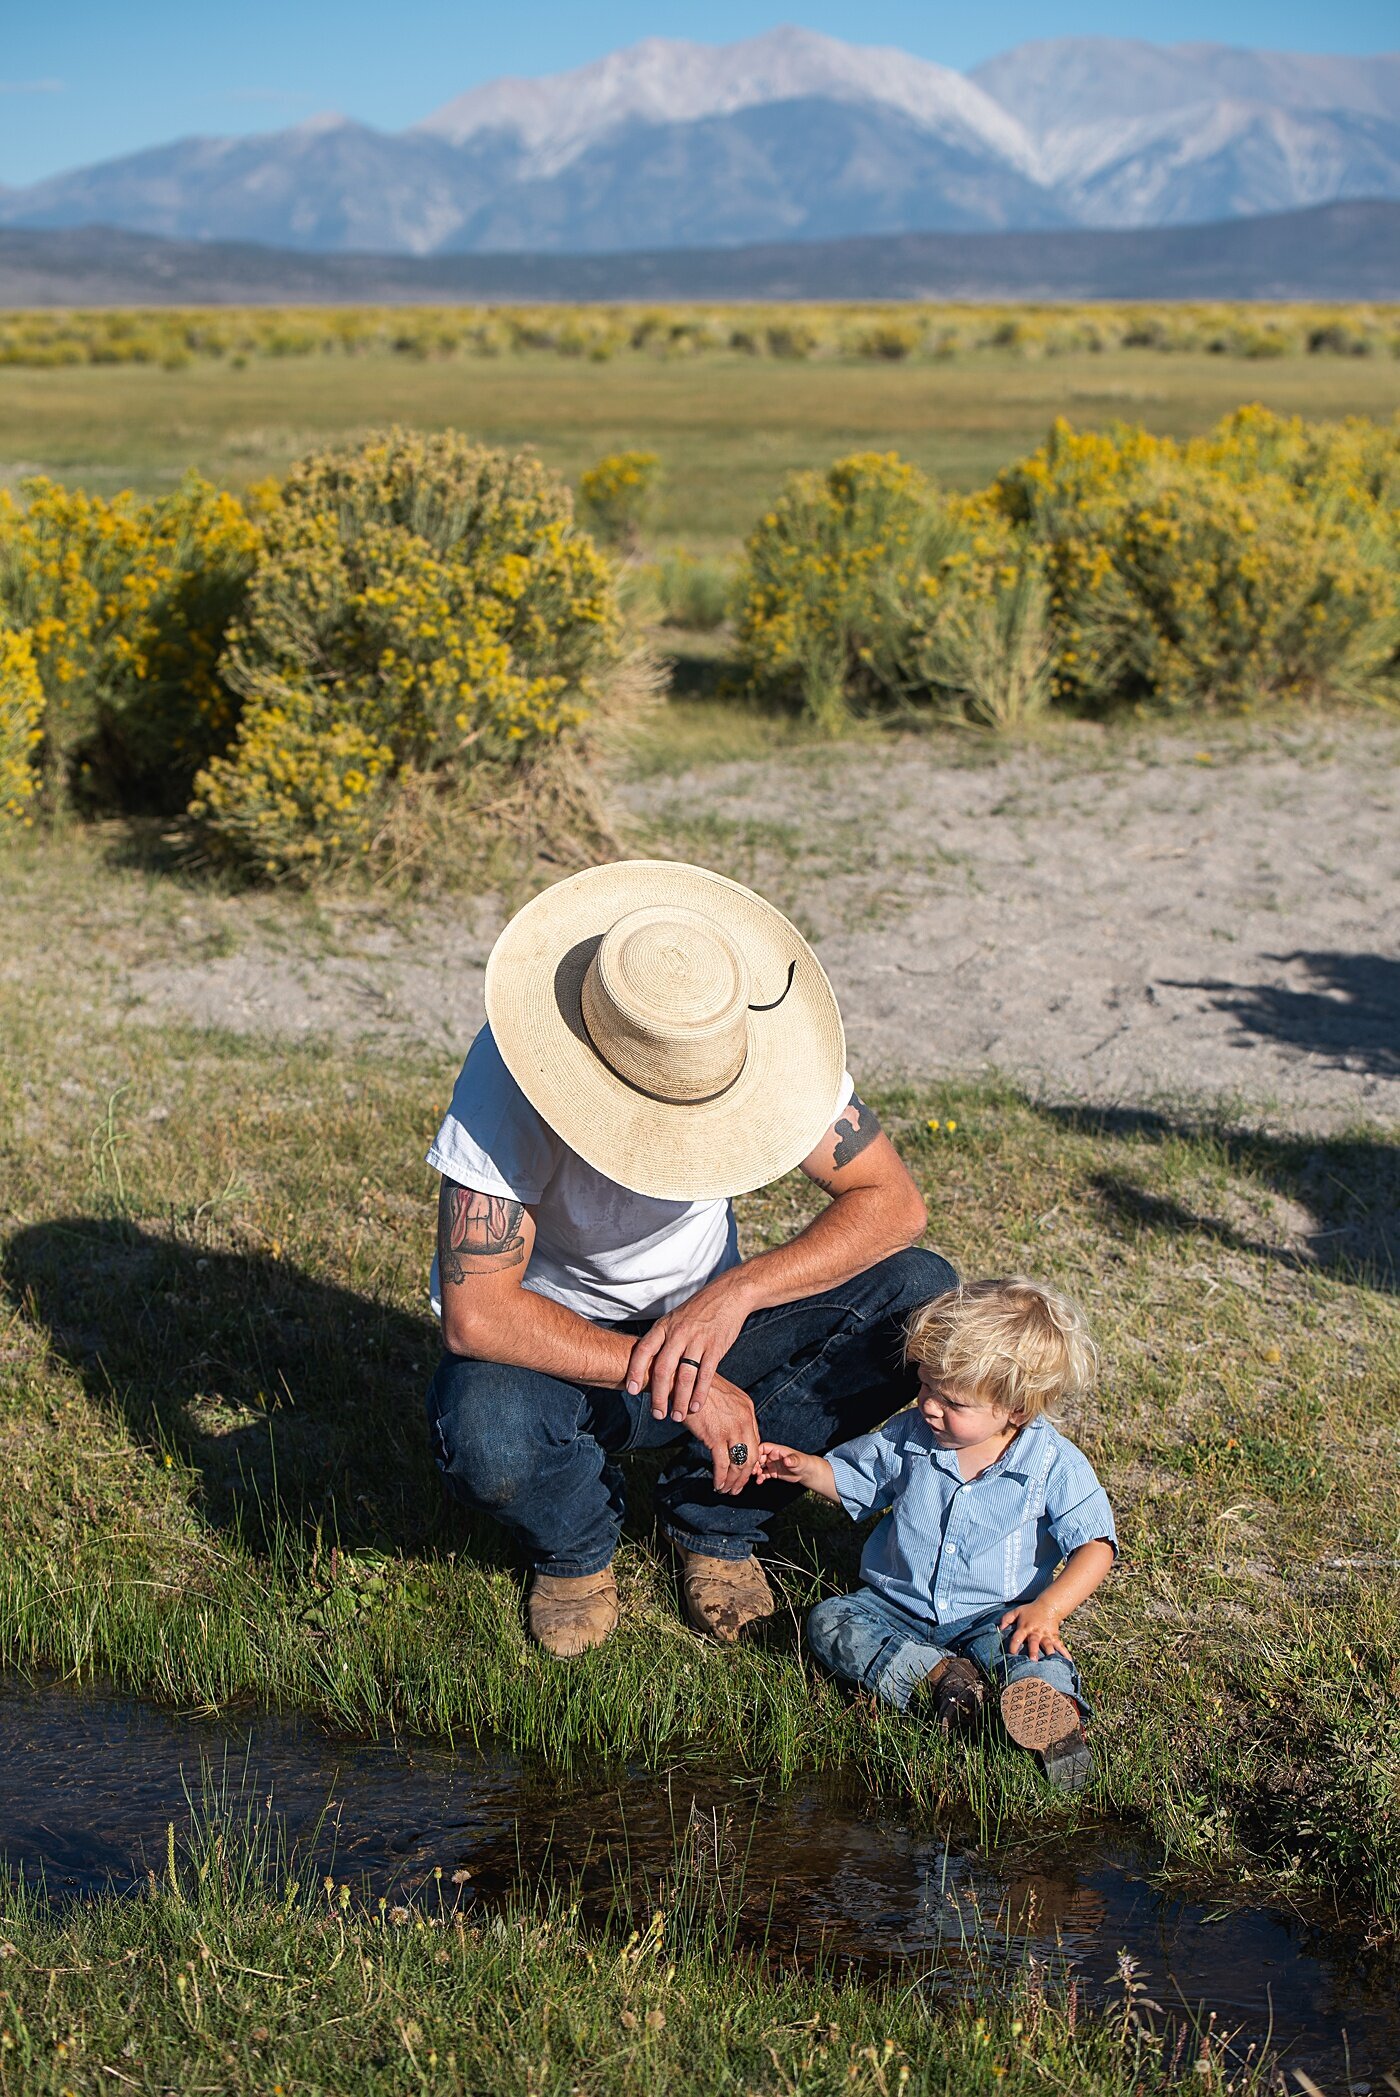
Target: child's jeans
864 1639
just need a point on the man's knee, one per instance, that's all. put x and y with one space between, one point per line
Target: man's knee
489 1424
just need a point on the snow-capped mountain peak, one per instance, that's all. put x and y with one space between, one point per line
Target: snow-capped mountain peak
663 80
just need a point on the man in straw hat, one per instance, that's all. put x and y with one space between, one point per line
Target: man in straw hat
658 1040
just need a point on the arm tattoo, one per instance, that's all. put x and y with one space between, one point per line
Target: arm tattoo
477 1233
858 1127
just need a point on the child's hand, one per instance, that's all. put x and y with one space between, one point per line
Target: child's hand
1036 1627
776 1460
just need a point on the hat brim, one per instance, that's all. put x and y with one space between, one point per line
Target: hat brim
771 1118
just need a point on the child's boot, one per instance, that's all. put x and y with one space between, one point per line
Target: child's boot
956 1690
1042 1718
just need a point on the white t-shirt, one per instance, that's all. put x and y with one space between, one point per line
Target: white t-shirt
599 1249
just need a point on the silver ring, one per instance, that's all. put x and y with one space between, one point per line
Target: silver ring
738 1452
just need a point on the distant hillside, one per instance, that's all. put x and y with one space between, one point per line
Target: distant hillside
1338 251
789 135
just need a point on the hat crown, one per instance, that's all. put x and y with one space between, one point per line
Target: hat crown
666 1001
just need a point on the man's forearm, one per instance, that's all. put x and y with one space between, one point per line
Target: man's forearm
539 1334
854 1232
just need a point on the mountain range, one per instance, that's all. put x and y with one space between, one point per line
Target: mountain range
789 136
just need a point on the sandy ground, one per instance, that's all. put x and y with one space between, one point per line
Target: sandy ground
1113 921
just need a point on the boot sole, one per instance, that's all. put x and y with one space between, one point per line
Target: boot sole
1036 1715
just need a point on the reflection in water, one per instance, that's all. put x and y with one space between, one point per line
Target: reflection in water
89 1783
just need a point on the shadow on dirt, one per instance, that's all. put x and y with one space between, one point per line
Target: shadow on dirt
1351 1019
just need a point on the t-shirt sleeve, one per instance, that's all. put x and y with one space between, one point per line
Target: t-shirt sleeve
867 1470
491 1137
1076 1505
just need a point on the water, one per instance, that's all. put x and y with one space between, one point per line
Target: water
89 1782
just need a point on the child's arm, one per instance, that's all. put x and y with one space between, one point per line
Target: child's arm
795 1467
1036 1625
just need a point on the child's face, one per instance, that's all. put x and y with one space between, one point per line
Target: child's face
958 1417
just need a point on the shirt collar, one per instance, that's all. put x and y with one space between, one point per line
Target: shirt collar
1015 1461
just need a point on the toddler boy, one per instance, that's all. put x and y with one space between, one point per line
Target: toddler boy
984 1499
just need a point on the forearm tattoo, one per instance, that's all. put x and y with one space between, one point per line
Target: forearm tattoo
857 1128
477 1233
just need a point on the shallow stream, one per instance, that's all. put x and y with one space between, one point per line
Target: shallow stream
90 1781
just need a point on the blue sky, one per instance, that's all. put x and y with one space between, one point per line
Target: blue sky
82 80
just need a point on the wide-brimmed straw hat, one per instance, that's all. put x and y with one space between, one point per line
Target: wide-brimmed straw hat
671 1026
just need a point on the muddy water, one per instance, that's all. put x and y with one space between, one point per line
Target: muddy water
89 1783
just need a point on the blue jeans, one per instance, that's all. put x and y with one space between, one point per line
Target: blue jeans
864 1639
538 1453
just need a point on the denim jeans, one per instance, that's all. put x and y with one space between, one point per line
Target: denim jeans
539 1453
864 1639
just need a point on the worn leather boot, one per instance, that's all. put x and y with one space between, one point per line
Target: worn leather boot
569 1616
722 1595
1045 1720
955 1692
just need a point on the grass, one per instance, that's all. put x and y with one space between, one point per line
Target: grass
238 1973
727 428
213 1337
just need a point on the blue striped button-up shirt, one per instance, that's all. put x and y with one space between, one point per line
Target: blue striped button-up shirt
951 1548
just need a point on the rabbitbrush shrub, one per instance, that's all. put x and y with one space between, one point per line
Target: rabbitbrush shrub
1108 569
126 604
21 709
1249 565
424 607
825 573
614 496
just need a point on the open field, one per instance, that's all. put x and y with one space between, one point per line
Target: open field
728 428
1128 1001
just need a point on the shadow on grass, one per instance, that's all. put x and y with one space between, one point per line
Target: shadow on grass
297 1401
1348 1185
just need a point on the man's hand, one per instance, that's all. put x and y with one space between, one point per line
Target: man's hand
1036 1626
680 1356
727 1421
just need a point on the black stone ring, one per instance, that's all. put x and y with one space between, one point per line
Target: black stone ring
689 1361
738 1452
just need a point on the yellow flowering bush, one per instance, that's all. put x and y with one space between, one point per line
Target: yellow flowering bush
614 495
1108 568
126 604
172 337
422 605
1234 568
21 710
827 571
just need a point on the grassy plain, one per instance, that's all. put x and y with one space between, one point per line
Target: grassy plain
728 428
213 1337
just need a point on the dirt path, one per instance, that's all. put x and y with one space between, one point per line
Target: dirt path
1112 921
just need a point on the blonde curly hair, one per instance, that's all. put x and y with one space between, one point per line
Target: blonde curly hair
1018 1345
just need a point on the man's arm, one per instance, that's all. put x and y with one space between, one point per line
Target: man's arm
484 1247
875 1210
